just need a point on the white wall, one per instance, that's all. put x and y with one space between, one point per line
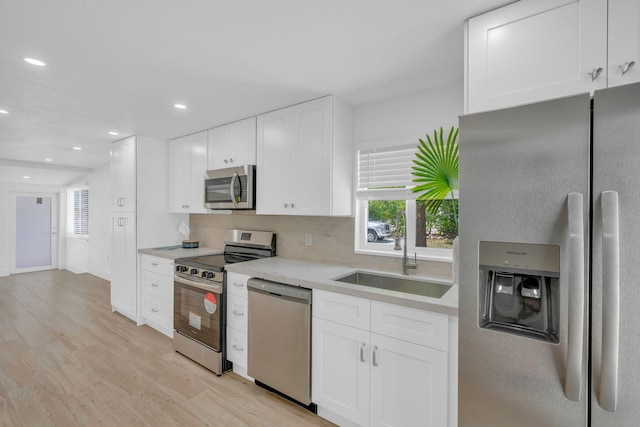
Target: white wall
401 121
100 222
7 229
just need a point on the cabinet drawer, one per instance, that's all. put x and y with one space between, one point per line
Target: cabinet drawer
410 324
157 311
237 347
237 313
237 284
344 309
157 286
158 265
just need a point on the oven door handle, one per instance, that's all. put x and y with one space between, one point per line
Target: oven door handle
216 288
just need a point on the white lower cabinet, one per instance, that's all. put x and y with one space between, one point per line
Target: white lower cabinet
237 322
408 384
361 376
156 293
123 264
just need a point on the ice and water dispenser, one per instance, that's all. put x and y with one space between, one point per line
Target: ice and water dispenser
518 289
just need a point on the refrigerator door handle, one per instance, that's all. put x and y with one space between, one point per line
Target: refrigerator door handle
610 300
573 381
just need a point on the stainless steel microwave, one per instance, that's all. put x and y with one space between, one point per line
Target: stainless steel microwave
230 188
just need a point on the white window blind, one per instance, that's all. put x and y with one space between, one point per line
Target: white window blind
385 174
80 206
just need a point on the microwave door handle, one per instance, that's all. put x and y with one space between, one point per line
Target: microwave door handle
232 189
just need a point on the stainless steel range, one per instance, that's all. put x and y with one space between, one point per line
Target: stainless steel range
199 297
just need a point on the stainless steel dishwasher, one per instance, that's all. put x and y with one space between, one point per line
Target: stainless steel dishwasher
279 338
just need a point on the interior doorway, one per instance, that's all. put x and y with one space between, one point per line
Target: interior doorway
35 236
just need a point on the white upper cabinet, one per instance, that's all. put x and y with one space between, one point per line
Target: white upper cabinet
187 172
304 157
232 145
624 42
123 175
529 51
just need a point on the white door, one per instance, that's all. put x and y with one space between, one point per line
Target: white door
624 42
408 384
274 163
311 157
123 175
124 264
179 175
341 370
34 242
534 50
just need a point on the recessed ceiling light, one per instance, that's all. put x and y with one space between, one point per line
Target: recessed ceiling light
180 106
26 177
77 148
48 160
35 62
113 133
4 112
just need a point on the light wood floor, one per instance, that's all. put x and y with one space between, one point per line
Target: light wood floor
67 360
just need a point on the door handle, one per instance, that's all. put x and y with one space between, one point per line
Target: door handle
362 346
610 300
573 381
232 189
375 359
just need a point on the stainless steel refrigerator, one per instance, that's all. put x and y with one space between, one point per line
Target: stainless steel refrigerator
550 263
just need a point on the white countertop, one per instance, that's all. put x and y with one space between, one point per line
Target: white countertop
314 275
175 252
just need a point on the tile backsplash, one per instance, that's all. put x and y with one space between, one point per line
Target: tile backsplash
332 239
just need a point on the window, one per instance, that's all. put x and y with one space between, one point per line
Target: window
78 212
385 199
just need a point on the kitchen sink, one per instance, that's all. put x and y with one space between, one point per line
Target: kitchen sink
394 283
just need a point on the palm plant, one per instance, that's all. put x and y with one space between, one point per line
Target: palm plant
436 171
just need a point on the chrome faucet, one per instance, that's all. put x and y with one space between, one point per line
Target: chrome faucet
406 264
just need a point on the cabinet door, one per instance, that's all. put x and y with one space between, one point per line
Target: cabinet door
233 144
408 384
243 137
123 264
198 172
340 371
311 157
179 175
274 163
624 42
187 172
219 147
123 175
531 51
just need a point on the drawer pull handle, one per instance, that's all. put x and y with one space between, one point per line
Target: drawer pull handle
362 359
238 313
155 264
238 284
154 285
375 359
237 348
155 310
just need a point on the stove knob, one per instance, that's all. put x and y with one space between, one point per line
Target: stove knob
181 268
194 271
210 275
204 274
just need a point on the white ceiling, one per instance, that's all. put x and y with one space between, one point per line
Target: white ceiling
121 65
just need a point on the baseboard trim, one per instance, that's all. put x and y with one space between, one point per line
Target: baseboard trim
103 274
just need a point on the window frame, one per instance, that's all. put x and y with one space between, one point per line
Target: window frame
364 195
